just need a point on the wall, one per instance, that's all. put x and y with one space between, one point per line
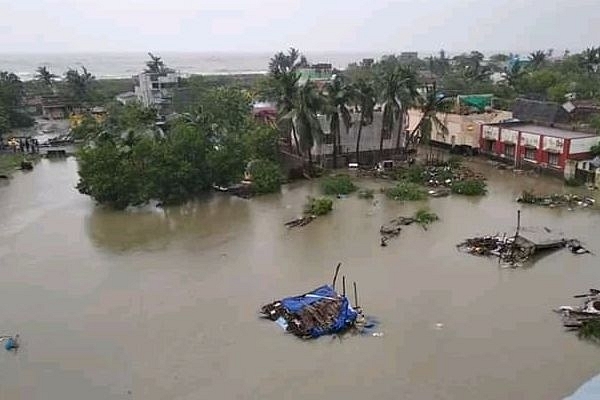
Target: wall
583 145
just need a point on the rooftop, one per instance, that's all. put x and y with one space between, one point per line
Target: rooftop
546 130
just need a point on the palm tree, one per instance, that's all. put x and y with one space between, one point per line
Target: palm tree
406 95
44 76
364 93
79 84
304 115
284 77
391 106
430 104
537 59
156 65
337 97
590 59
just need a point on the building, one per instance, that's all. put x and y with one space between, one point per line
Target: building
524 144
319 74
463 130
539 111
127 98
369 142
408 57
156 89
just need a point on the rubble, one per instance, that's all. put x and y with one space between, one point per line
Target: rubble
584 318
557 200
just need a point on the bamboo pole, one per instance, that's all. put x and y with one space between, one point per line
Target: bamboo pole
337 269
355 295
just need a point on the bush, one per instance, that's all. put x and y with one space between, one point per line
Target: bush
337 184
454 161
318 206
425 217
469 187
366 193
590 330
266 177
406 191
414 173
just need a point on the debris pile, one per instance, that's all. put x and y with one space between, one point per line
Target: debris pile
584 318
445 176
393 228
557 200
312 209
319 312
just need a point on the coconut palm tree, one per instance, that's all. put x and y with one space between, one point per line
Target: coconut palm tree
406 96
337 97
43 75
430 104
304 116
537 59
390 83
590 59
364 93
283 79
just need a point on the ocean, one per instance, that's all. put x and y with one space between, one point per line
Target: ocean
125 65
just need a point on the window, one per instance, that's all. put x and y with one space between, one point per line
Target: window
488 145
509 150
553 159
328 138
530 153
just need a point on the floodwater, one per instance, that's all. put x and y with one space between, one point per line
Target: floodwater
159 304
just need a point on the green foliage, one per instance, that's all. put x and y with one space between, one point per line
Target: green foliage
266 176
11 100
454 161
415 174
318 206
425 217
88 129
262 143
590 330
406 191
366 193
469 187
128 163
595 150
78 86
337 184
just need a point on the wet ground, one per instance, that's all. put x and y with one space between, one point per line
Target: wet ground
160 304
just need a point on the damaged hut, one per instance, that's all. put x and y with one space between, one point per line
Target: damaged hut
319 312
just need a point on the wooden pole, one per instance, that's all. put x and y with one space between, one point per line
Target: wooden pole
518 223
344 285
355 295
337 269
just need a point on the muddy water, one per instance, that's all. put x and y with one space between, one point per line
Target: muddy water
162 305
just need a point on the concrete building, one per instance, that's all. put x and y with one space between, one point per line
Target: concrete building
463 130
369 142
156 89
524 144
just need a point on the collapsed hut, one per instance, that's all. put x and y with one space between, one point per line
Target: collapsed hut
517 249
319 312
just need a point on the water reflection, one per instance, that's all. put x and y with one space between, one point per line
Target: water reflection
152 228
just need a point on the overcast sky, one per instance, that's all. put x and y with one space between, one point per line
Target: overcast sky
312 25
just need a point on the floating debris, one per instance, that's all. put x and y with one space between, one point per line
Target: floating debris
300 221
319 312
393 228
439 192
517 249
584 318
557 200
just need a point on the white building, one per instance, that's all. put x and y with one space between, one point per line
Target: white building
156 90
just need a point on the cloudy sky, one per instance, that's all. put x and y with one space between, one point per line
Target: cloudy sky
312 25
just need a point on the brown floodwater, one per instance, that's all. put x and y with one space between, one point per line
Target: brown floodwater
162 304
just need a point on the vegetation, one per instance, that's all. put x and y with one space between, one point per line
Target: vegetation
11 101
469 187
590 330
12 161
406 191
318 206
337 184
127 161
266 176
573 182
425 217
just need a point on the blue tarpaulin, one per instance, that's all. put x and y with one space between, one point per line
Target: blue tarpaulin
319 312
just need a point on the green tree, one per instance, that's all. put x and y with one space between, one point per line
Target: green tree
11 101
429 104
45 77
262 143
266 176
305 119
78 86
391 104
337 99
537 59
364 93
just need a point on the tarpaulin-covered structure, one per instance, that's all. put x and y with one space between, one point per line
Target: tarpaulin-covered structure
313 314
